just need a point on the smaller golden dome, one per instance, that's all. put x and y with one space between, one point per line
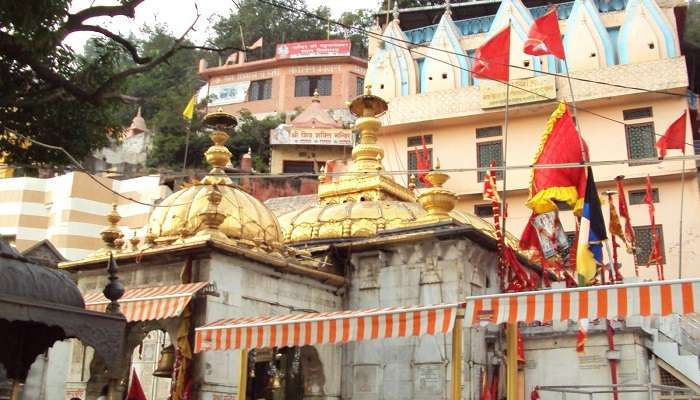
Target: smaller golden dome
351 219
215 206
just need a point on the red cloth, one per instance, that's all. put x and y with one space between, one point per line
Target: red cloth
492 59
562 146
135 390
423 162
655 254
544 36
485 389
674 137
490 189
535 395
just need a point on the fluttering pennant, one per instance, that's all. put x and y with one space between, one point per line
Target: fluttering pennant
544 36
535 394
674 137
188 112
625 213
655 253
582 335
589 252
492 59
560 143
615 228
135 389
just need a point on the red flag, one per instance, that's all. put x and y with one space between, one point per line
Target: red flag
674 137
485 390
492 59
135 390
544 36
423 162
535 395
655 254
560 143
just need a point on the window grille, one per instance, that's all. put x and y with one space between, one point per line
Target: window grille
640 141
644 244
413 163
483 210
416 140
260 90
360 86
487 151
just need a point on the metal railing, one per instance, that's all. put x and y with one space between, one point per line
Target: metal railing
673 392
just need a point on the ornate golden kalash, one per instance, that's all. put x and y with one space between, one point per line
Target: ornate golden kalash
365 200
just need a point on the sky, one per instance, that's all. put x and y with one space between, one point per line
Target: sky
179 14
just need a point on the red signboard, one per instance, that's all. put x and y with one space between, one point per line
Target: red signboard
315 48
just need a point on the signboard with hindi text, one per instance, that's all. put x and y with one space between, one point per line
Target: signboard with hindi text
314 48
230 93
285 134
539 88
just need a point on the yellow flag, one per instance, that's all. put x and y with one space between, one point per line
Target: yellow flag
188 112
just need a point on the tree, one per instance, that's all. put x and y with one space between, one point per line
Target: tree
274 24
50 92
692 24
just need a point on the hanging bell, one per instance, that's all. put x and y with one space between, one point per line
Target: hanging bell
276 382
166 362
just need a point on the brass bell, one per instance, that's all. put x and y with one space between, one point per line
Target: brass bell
166 362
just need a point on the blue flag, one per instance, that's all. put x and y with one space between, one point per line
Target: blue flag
589 252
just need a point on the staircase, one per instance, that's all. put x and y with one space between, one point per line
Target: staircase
676 341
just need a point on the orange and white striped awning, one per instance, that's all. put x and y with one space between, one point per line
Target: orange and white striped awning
148 303
611 301
319 328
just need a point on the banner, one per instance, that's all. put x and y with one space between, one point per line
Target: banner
229 93
314 48
285 134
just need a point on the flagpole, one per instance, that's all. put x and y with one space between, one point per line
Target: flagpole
680 224
573 103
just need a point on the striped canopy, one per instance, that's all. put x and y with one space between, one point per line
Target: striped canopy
610 301
319 328
148 303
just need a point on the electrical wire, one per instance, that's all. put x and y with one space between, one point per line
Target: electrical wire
381 37
392 42
82 169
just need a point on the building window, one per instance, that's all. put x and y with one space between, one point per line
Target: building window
359 86
640 141
260 90
644 243
307 85
289 166
483 210
416 141
413 162
637 196
637 113
489 131
485 153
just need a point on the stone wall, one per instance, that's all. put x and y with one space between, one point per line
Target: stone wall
248 288
425 273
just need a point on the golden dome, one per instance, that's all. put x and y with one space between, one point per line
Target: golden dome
245 218
367 219
351 219
215 206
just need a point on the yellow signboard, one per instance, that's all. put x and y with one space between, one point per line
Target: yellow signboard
539 88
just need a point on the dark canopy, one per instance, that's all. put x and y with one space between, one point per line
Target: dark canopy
39 306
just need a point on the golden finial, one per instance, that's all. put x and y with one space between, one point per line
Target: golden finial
210 217
322 174
111 233
134 241
448 7
218 156
368 105
395 13
119 242
437 200
412 182
150 237
317 96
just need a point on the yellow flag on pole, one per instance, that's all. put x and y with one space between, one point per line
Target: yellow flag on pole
188 112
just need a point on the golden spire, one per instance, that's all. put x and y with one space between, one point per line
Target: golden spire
111 234
364 181
437 200
218 156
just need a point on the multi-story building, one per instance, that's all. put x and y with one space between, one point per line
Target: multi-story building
288 81
425 73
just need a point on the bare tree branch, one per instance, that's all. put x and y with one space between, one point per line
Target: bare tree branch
74 21
130 47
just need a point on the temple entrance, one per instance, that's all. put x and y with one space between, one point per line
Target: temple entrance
289 373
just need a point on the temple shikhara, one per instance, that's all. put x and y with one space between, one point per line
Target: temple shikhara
437 258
